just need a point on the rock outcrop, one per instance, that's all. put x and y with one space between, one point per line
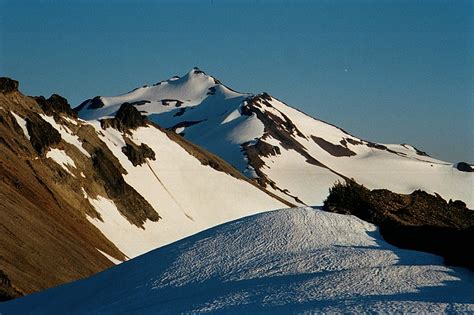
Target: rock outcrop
419 221
55 104
8 85
126 118
42 134
464 167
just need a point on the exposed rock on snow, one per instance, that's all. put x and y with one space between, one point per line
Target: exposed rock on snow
74 202
55 105
137 154
42 134
464 167
229 124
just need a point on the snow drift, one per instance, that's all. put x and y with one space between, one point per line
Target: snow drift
293 260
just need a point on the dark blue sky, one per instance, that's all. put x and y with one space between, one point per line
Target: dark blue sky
386 71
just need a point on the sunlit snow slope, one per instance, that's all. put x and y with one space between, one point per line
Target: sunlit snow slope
188 196
290 153
292 260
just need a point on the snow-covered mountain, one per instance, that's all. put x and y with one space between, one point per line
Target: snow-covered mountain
79 196
284 261
290 153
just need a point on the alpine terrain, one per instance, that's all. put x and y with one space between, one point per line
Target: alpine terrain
224 188
78 197
288 152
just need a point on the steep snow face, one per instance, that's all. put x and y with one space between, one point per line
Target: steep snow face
294 260
295 156
188 196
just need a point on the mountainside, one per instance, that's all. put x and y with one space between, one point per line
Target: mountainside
288 261
288 152
78 197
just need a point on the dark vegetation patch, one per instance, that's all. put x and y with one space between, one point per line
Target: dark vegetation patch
8 85
7 291
464 167
55 104
126 118
137 154
42 134
129 202
418 221
333 149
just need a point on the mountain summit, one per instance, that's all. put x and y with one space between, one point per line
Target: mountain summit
291 154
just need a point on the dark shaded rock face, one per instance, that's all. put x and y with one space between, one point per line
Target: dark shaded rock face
126 118
333 149
55 104
129 117
281 129
94 103
418 221
7 291
254 153
138 154
464 167
129 202
8 85
42 134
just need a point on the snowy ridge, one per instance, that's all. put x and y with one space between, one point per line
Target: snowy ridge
292 154
293 260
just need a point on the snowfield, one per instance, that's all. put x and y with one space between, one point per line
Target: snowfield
188 196
292 260
224 121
